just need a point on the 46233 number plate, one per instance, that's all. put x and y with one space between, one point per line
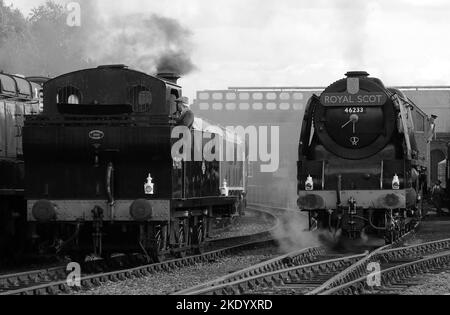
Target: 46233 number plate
355 110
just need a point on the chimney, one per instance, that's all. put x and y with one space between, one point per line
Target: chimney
169 76
356 74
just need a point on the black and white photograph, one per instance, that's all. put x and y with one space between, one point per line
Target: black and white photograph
224 155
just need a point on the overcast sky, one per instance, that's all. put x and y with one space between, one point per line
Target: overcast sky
304 43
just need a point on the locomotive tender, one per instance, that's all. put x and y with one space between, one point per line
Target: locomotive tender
363 151
100 177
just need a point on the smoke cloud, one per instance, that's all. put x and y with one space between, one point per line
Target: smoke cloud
150 43
353 17
48 46
293 233
175 62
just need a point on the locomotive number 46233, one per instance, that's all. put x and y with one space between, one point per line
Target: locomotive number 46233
355 110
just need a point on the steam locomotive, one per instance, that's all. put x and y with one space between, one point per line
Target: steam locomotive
99 175
19 96
363 159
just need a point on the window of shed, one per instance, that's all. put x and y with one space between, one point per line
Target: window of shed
271 96
244 96
218 96
298 96
203 96
271 106
285 106
231 96
231 106
285 96
258 96
203 106
217 106
244 106
258 106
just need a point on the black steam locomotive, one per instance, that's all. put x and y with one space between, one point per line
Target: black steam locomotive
363 159
101 177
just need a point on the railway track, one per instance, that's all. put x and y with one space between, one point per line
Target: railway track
231 284
321 259
54 280
397 269
309 271
330 274
236 240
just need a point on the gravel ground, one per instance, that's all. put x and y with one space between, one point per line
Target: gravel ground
168 282
433 284
243 226
431 229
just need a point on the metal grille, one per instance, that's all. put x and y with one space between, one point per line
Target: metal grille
140 98
69 95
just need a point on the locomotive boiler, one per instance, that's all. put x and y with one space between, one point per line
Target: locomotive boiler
363 151
100 174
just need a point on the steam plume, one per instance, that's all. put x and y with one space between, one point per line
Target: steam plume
293 233
150 43
353 21
48 46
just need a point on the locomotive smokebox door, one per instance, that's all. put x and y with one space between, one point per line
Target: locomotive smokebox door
355 117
